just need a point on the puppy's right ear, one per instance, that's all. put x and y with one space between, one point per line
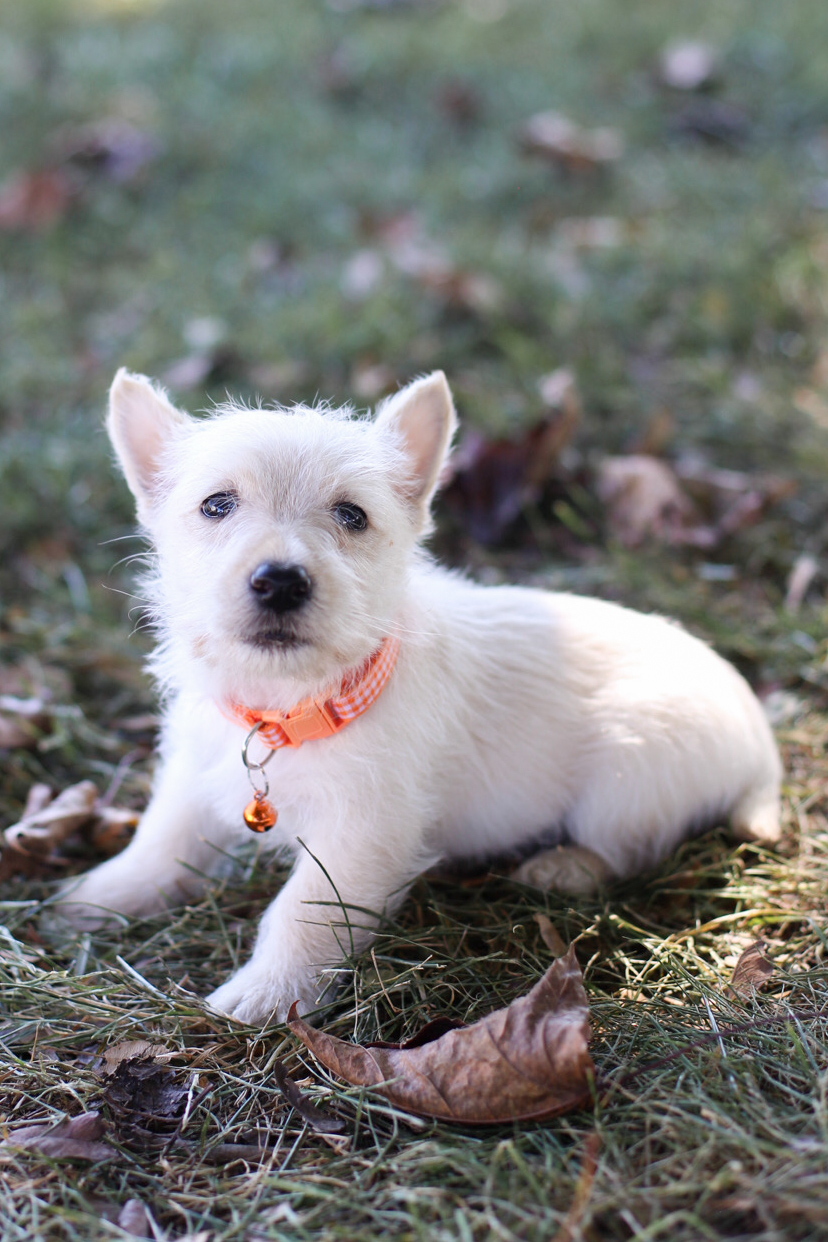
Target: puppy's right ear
140 422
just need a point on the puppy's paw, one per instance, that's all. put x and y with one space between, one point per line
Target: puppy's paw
254 995
104 896
568 869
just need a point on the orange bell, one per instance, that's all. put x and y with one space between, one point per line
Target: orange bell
260 815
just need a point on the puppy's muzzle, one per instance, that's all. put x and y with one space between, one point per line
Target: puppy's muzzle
280 588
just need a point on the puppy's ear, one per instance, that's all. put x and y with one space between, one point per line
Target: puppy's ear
140 422
422 419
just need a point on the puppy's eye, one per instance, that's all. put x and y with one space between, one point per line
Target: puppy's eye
219 505
351 517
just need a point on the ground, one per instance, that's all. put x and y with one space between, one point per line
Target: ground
309 200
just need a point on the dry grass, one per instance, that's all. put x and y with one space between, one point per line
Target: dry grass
699 1134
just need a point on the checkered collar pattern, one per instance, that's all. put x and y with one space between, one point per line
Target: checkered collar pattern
313 719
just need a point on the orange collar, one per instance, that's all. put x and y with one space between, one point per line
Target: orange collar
317 718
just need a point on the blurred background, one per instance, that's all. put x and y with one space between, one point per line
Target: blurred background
607 223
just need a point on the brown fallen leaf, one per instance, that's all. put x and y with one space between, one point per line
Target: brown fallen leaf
132 1050
713 121
22 721
317 1118
116 148
38 833
644 499
134 1218
33 843
15 735
526 1062
805 569
751 972
34 200
146 1097
113 828
550 937
554 137
73 1138
492 481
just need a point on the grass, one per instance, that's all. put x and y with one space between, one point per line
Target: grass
283 141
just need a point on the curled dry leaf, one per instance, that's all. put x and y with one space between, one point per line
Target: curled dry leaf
132 1050
319 1119
145 1096
644 498
73 1138
801 576
33 842
526 1062
115 147
693 503
751 971
33 200
135 1218
491 482
21 721
550 937
555 138
112 830
39 832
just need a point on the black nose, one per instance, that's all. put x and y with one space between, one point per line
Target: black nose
281 588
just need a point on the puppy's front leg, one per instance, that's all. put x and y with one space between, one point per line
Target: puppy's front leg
317 921
176 840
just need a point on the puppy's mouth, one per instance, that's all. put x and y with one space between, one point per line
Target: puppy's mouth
275 639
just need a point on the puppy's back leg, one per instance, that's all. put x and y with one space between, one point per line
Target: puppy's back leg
756 817
570 869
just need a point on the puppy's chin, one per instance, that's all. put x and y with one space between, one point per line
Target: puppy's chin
275 640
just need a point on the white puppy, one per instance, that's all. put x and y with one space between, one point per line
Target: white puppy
289 572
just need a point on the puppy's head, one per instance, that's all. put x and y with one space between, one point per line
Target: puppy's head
283 537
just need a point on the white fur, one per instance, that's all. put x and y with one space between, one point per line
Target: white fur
513 716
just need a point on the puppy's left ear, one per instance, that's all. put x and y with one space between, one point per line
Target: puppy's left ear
421 417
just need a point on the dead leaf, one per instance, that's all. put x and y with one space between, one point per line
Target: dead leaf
134 1218
526 1062
550 937
751 972
460 102
22 721
206 366
37 798
713 121
691 503
41 831
688 65
319 1119
113 829
15 736
491 482
132 1050
370 380
555 138
146 1097
74 1138
33 200
112 146
645 499
32 844
806 568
